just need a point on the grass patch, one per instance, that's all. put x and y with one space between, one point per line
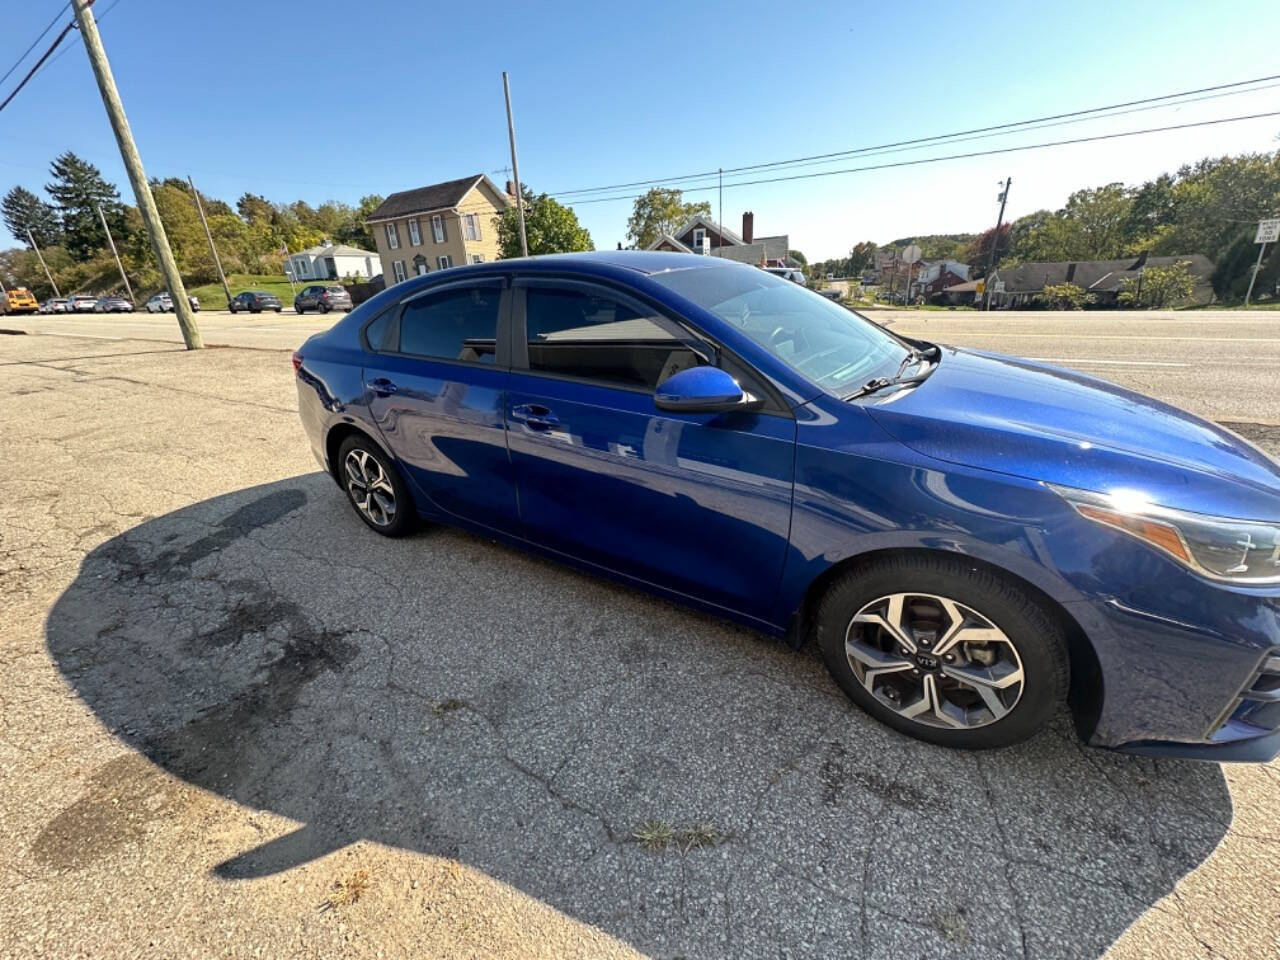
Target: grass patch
348 891
451 705
212 298
658 835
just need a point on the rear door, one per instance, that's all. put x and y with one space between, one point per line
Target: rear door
698 503
436 388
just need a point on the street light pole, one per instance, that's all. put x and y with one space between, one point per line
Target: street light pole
137 175
116 253
515 167
995 243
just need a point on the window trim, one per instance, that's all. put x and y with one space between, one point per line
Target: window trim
441 263
471 225
398 271
695 338
415 233
438 234
393 236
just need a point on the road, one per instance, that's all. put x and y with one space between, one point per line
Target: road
1222 364
224 696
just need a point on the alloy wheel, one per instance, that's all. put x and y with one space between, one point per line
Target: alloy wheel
370 487
934 661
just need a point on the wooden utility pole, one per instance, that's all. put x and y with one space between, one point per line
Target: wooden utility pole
217 261
992 259
128 289
515 167
40 257
137 176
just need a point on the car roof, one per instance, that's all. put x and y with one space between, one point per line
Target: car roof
642 261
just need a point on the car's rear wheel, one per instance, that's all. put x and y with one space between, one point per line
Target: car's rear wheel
374 487
943 650
324 307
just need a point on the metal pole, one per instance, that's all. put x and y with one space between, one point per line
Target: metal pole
995 242
288 270
42 263
137 175
721 243
515 167
217 262
110 240
1256 267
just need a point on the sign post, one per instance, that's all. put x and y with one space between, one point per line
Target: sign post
910 256
1268 232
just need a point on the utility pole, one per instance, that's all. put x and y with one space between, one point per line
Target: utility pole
40 257
720 245
995 242
137 175
217 262
116 253
515 167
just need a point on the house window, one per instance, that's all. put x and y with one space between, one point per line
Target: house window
397 268
699 236
445 262
300 268
415 233
437 229
393 237
471 226
420 265
477 258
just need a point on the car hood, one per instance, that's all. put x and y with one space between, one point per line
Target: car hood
1045 423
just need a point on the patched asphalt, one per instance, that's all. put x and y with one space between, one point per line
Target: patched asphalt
225 695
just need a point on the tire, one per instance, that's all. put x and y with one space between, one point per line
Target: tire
298 310
324 308
231 307
1031 649
251 310
278 309
403 518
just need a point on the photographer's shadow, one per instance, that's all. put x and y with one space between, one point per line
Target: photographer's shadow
464 700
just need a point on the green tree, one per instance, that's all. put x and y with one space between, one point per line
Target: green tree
660 211
1064 296
355 232
549 226
1159 287
862 257
77 190
798 257
254 208
24 211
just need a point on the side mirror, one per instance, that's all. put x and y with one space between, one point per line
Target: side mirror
703 390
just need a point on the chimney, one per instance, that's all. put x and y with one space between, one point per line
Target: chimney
511 189
748 226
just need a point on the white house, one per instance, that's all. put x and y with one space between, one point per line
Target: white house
333 262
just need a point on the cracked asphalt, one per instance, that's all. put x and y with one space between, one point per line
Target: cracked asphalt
223 696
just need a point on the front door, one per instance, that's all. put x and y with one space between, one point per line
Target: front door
436 390
697 503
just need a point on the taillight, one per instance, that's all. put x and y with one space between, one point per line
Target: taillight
297 360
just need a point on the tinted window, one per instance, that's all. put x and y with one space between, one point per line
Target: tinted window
835 348
579 333
375 334
459 324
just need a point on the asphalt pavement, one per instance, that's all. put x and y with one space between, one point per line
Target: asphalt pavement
238 723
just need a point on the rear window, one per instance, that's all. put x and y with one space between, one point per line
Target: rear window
458 324
336 289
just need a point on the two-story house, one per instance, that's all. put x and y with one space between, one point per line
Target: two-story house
437 227
703 235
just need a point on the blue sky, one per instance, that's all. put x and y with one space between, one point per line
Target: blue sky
333 100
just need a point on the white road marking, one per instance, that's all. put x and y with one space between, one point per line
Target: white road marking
1118 363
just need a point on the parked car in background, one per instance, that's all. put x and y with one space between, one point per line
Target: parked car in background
20 300
54 305
163 303
973 542
787 273
114 304
255 301
82 303
322 297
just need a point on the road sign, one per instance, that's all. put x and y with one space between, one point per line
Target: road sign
998 287
1268 231
982 286
911 254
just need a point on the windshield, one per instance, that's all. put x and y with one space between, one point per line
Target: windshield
834 347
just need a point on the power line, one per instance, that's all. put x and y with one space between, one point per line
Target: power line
63 52
34 42
922 140
958 156
39 63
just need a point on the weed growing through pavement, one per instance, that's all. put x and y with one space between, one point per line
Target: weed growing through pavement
348 891
656 835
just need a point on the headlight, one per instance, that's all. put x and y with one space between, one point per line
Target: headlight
1241 551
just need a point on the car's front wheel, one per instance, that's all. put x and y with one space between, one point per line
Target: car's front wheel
943 650
374 487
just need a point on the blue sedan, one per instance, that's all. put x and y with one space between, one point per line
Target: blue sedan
974 542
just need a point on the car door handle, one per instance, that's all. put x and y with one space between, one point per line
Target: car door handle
534 416
383 387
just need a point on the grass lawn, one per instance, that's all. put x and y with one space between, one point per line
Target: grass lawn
212 298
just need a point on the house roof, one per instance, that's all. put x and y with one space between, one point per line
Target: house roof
1097 275
334 250
671 241
438 196
710 224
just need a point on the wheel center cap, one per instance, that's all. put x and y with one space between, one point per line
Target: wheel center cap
926 661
